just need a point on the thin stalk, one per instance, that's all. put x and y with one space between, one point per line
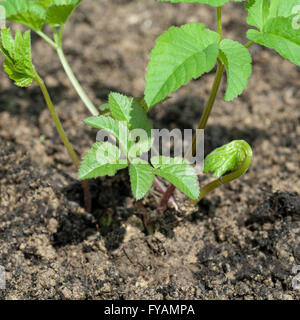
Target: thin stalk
167 196
57 122
249 44
229 177
219 23
47 39
85 99
64 138
57 45
212 97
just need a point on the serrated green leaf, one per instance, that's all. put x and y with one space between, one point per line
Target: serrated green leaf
141 177
237 61
179 172
17 54
226 158
133 113
117 128
120 106
279 35
25 12
60 10
180 55
130 110
214 3
103 159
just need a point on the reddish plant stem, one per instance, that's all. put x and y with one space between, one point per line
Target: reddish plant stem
163 189
165 199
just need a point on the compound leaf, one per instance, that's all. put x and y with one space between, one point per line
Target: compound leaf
180 55
103 159
31 14
237 61
17 54
179 172
141 177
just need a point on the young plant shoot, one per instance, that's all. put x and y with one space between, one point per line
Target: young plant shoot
19 67
180 55
36 14
185 53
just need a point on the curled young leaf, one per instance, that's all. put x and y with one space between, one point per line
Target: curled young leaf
227 158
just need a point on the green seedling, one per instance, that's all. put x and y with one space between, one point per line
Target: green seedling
36 14
180 55
187 52
19 67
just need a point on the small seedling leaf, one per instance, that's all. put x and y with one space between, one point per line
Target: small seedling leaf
60 10
180 55
179 172
103 159
114 127
29 13
237 61
17 54
132 111
280 35
141 177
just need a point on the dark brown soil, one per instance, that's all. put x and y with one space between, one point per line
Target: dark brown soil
241 242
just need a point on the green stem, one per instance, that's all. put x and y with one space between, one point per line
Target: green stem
65 140
249 44
212 97
219 23
85 99
229 177
211 101
57 45
57 122
47 39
